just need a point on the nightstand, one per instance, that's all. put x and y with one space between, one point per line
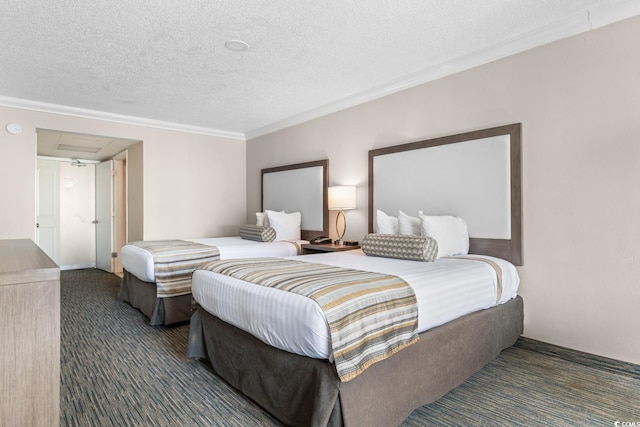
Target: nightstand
308 248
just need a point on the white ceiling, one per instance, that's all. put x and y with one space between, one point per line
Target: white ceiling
164 63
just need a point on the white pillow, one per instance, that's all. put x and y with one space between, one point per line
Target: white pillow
408 224
262 220
287 225
450 232
386 224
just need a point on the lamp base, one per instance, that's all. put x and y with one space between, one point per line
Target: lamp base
339 240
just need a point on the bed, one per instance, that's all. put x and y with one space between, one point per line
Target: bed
167 300
140 288
300 382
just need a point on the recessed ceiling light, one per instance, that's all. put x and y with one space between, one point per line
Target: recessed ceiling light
236 45
84 149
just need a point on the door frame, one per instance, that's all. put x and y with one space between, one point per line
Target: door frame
121 224
121 196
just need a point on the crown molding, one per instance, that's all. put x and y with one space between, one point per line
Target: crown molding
111 117
605 15
594 18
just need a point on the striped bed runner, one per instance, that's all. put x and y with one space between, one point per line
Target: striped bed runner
174 262
370 315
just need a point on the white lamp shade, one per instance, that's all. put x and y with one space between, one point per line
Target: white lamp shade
342 197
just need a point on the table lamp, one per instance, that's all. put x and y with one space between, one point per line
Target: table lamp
341 198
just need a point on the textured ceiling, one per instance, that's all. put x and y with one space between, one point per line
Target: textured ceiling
164 61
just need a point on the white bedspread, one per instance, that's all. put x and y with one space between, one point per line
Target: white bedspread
139 262
445 289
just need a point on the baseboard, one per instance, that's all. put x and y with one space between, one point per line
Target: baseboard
77 266
579 357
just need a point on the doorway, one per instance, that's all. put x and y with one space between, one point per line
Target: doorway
70 228
65 211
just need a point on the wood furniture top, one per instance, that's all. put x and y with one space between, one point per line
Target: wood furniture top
308 248
22 261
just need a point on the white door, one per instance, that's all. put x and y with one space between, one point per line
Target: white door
104 216
77 213
48 208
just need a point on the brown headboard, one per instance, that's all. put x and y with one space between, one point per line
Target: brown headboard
475 175
301 187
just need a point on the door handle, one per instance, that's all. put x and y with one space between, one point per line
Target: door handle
95 221
37 225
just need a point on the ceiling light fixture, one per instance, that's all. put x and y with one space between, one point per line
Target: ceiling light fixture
236 45
82 148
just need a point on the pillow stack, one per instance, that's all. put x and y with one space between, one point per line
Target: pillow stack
285 225
450 232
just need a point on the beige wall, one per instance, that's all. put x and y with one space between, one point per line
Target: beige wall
194 186
191 185
17 178
579 103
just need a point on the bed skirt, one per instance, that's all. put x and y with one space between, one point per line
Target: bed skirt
161 311
301 391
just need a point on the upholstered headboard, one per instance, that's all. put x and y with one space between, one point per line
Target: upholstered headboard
303 188
474 175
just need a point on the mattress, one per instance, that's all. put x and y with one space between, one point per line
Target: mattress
139 262
445 289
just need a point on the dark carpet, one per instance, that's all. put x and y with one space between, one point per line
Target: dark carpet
117 370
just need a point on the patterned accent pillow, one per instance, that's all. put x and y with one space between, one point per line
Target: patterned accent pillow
262 220
416 248
257 233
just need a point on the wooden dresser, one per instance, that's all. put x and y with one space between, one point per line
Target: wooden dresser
29 336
